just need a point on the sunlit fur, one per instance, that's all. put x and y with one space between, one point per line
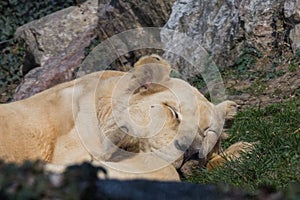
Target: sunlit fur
79 120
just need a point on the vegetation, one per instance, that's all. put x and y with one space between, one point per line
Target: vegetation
247 59
276 159
253 64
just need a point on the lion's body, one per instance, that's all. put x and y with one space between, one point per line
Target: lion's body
28 132
101 115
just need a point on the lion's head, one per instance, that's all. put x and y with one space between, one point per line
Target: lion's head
168 118
112 116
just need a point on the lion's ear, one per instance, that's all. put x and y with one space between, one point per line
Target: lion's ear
148 71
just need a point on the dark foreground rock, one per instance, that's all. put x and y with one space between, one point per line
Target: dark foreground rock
29 181
142 189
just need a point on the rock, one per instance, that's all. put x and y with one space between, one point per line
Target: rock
223 29
47 37
292 15
230 83
56 70
259 21
55 45
141 189
264 99
212 25
295 37
244 96
292 10
28 181
190 166
119 16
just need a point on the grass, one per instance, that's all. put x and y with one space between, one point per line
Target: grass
275 161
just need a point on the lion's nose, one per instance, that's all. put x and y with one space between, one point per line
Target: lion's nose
182 146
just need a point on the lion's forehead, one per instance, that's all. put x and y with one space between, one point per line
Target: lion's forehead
180 96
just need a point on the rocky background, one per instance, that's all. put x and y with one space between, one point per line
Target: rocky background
255 45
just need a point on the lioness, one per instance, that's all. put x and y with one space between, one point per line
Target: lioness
106 117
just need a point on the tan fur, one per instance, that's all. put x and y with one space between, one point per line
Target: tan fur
167 173
98 116
153 59
126 169
231 153
150 70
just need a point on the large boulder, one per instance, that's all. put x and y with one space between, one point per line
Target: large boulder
119 16
226 28
261 23
81 182
212 25
55 44
50 35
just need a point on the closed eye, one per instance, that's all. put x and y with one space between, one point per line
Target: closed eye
175 112
157 58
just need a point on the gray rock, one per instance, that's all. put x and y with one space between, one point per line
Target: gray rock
259 21
222 29
295 37
47 37
55 44
292 13
56 69
292 9
119 16
202 32
212 25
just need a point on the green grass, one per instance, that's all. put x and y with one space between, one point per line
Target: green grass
275 161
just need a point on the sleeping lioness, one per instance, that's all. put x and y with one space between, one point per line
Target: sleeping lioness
105 117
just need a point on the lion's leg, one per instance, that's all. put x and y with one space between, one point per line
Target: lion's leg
69 149
109 147
216 161
231 153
